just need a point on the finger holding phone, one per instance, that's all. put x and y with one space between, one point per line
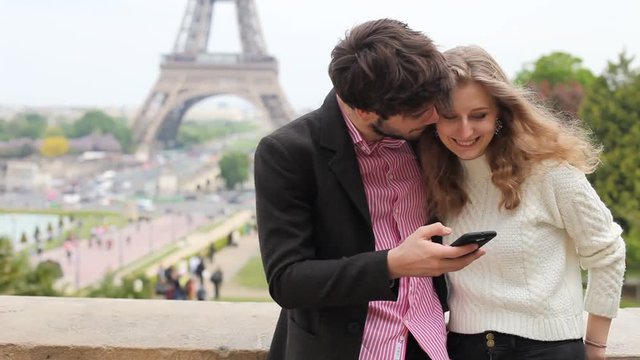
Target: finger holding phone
418 255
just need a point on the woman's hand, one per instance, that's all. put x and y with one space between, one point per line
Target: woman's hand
594 353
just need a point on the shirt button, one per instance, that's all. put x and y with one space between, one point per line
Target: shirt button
390 176
490 340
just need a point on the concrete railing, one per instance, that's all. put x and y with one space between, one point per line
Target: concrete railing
34 328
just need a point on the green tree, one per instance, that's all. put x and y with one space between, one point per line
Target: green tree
41 281
12 268
621 73
560 78
54 131
556 68
90 122
18 278
612 110
124 288
192 133
97 121
125 136
4 130
29 125
234 168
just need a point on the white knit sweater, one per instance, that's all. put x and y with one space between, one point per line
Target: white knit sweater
529 283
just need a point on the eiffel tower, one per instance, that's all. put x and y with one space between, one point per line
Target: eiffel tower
190 74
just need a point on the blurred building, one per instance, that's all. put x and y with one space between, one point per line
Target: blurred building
95 142
24 175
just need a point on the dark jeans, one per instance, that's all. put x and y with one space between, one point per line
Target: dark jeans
511 347
414 351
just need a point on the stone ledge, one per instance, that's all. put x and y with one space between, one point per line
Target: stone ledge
34 328
118 329
15 352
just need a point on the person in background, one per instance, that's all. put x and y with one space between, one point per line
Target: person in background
199 270
216 280
499 161
341 212
190 289
212 251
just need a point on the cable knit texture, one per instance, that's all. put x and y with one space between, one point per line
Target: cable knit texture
529 282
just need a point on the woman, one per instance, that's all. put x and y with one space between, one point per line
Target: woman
498 161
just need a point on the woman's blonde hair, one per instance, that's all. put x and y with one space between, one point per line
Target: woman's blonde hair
530 134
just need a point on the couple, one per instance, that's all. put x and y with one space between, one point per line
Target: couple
344 195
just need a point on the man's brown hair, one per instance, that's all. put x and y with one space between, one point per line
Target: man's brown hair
385 67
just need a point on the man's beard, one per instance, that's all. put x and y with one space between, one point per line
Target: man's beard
377 127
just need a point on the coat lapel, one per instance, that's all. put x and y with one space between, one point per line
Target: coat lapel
343 162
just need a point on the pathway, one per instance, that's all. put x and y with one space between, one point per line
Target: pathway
88 264
231 260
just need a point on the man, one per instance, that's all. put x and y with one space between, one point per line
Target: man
340 208
216 280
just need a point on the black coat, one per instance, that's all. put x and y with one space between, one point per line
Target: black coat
316 238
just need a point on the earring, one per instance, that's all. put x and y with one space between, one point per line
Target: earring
435 132
498 126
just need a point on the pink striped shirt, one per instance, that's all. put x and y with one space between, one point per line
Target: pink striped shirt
393 186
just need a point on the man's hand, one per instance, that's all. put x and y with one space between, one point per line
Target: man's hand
419 256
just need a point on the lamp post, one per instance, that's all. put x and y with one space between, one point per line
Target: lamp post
14 234
150 235
120 249
173 228
169 211
77 263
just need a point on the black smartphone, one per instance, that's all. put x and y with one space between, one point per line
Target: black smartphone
477 237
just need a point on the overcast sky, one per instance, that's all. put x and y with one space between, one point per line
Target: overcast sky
106 53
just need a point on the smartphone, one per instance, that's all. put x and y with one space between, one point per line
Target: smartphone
477 237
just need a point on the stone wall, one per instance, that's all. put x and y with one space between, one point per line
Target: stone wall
34 328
